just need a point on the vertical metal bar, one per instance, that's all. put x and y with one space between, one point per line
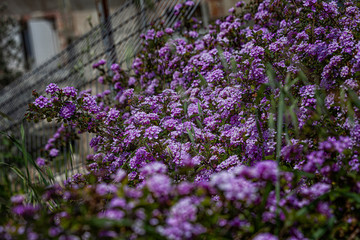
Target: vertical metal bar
108 41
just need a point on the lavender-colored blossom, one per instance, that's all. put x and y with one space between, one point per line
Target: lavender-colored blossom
178 7
215 76
234 188
70 91
54 231
150 35
239 4
52 88
54 152
112 115
101 79
27 210
116 77
169 30
119 175
179 223
40 162
153 168
90 104
113 214
159 34
265 236
103 189
316 190
228 163
152 132
42 102
17 199
193 34
67 110
99 63
267 170
118 203
115 67
189 3
159 185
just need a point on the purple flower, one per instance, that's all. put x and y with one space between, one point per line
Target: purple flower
101 79
40 162
265 236
106 92
159 185
179 224
228 163
189 3
152 132
103 189
112 115
239 4
54 152
316 190
116 77
215 76
42 102
193 34
52 88
102 61
120 175
68 110
159 34
178 7
90 104
118 203
131 81
99 63
115 67
153 168
70 91
54 231
234 188
247 17
185 188
114 214
17 199
26 210
150 35
266 170
169 30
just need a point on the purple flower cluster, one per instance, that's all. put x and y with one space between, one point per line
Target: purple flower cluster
67 110
244 132
42 102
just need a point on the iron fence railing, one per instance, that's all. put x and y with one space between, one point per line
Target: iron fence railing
73 67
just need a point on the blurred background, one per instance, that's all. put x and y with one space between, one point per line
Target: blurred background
35 30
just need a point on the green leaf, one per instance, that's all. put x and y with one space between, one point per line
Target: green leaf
185 107
354 98
200 109
199 123
203 81
190 136
222 59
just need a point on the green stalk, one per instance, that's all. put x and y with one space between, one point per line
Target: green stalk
278 152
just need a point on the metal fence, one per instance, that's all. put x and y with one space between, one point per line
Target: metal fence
116 40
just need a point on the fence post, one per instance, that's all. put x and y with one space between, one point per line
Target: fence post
106 30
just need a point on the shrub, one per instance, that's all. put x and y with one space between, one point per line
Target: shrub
249 131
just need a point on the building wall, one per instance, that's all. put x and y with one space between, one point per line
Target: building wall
219 8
